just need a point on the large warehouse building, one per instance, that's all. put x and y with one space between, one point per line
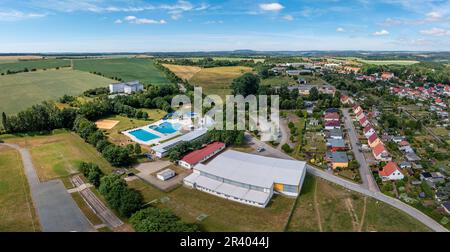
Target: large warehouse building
247 178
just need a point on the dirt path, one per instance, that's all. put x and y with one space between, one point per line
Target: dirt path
316 207
353 215
363 215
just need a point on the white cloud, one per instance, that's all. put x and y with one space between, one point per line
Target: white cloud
340 29
288 17
436 32
118 21
214 22
434 16
136 20
18 15
271 7
381 33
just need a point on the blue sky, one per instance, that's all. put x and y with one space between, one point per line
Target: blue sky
207 25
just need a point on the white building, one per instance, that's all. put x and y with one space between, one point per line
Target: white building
162 149
391 172
165 175
246 178
126 87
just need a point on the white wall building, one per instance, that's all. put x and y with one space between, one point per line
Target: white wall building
246 178
126 87
162 149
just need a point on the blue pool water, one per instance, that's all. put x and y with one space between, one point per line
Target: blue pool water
165 128
143 135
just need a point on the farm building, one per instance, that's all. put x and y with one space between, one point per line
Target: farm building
165 175
126 87
201 155
162 149
246 178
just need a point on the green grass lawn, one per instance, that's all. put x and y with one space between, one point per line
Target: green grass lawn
323 206
16 207
223 215
125 123
127 69
20 91
30 64
57 155
278 81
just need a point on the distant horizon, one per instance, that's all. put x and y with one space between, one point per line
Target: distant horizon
89 26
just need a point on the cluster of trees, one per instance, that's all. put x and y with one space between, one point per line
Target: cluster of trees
208 62
66 99
432 72
247 84
92 172
96 91
169 74
110 77
119 197
229 137
159 220
38 118
114 154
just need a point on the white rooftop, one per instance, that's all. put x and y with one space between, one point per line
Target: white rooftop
161 148
254 170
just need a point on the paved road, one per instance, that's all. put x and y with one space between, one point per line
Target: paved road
284 129
56 210
418 215
96 204
364 170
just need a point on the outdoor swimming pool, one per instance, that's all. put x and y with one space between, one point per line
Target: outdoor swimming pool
143 135
165 128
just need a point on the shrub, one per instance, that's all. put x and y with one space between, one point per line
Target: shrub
92 172
159 220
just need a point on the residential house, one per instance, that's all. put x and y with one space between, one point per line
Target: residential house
357 109
405 165
363 121
391 172
387 76
332 125
336 144
368 131
304 89
446 207
337 159
313 122
412 157
374 140
335 134
360 115
331 117
380 153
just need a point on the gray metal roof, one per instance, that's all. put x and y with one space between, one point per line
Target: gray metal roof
336 142
254 170
161 148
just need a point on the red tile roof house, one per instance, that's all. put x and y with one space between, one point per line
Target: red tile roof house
363 121
201 155
331 117
380 153
360 115
357 109
391 172
368 131
344 99
373 140
332 125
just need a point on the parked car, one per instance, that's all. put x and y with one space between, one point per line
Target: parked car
260 149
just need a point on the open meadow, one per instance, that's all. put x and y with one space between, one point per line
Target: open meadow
19 65
22 90
184 72
57 155
323 206
17 212
127 69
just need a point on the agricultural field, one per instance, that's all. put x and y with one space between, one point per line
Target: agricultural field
22 90
17 212
127 69
184 72
221 214
58 155
326 207
217 80
389 62
16 65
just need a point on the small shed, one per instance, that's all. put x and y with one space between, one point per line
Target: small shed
165 175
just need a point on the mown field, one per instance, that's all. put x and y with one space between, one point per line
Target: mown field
127 69
389 62
329 208
57 155
22 90
16 207
13 65
215 80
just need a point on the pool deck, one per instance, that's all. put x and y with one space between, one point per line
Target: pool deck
161 137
